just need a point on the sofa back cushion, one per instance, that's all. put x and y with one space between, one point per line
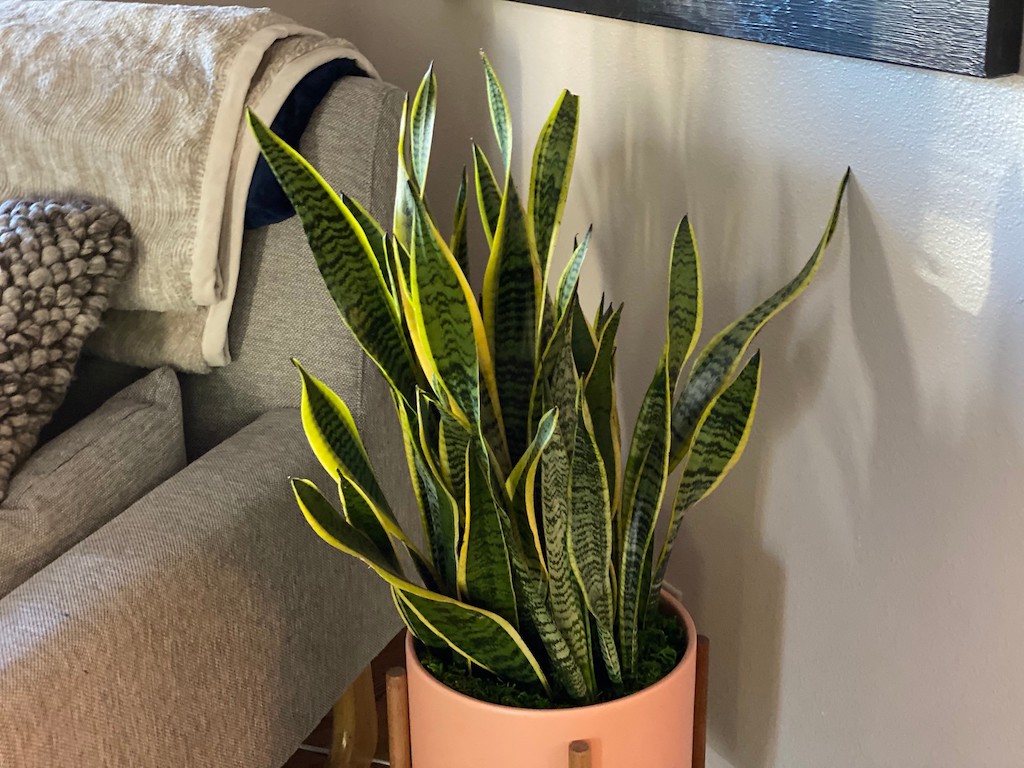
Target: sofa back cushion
86 476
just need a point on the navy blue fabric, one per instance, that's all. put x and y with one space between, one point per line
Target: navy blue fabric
267 203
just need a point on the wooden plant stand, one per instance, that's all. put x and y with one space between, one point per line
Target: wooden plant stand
579 755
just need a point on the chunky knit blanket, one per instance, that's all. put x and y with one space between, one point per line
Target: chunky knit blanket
157 92
59 262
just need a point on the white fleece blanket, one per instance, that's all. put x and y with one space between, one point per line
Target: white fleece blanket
142 106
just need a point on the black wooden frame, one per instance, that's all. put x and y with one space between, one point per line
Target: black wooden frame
981 38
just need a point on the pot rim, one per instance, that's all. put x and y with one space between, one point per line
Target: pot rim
688 659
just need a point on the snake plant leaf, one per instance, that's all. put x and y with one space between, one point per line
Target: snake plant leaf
584 345
453 440
460 238
438 510
571 274
481 637
419 630
361 516
552 169
501 119
718 444
590 535
404 195
444 309
685 300
334 438
488 194
639 516
345 259
603 404
424 110
567 607
718 362
511 300
545 429
375 236
485 574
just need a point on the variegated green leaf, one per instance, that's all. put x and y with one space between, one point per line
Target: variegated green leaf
488 194
640 514
603 404
485 575
567 606
552 169
719 441
543 433
444 312
404 194
584 345
419 630
718 362
481 637
453 440
438 510
571 274
511 299
590 535
500 117
424 109
375 236
334 438
361 516
345 259
460 240
685 302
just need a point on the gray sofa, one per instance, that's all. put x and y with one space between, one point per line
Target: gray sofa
207 625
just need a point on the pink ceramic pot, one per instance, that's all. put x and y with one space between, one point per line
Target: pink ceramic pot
652 728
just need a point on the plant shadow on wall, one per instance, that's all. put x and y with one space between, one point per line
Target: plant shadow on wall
541 566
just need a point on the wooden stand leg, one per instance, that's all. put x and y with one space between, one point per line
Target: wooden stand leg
579 755
354 737
700 704
398 719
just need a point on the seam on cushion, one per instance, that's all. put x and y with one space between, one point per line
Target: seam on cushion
8 502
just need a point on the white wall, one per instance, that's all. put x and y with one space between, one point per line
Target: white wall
859 573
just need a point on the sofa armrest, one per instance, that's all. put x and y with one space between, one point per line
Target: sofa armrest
205 625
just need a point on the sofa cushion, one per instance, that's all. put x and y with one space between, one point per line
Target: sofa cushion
58 263
86 476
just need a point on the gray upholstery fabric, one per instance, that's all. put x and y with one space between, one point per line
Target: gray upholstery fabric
282 309
205 626
59 261
89 474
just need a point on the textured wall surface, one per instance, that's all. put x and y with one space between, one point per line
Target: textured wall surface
860 571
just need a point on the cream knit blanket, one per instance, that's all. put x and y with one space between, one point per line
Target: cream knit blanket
143 106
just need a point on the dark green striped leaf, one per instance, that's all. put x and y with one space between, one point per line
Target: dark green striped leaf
717 364
500 117
404 194
543 433
482 637
571 275
685 302
602 401
590 535
584 345
451 449
552 170
511 299
488 194
460 240
360 515
443 308
640 514
345 259
567 607
375 236
438 510
485 575
424 109
719 442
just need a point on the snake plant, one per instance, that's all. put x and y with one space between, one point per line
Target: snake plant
539 561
